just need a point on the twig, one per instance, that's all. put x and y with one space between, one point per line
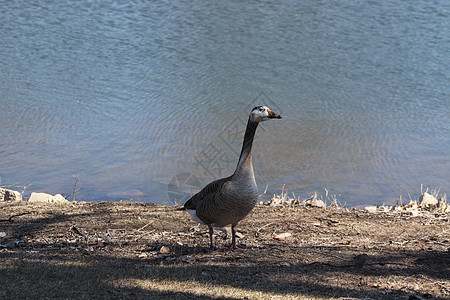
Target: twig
357 231
13 216
75 230
75 190
144 226
266 225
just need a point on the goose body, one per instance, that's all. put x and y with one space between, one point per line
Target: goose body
227 201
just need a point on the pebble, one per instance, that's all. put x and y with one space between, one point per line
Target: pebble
164 250
371 209
282 236
427 200
316 203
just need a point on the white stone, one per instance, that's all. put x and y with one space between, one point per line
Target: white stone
427 200
46 198
58 198
282 236
316 203
164 250
9 195
371 209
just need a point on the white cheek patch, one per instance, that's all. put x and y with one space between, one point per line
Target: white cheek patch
261 115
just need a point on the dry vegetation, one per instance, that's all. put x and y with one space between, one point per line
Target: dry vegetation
136 250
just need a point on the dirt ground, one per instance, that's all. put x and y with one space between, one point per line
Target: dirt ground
134 250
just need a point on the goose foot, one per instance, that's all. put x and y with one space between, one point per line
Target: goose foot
233 239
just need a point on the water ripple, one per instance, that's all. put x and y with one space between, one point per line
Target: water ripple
131 93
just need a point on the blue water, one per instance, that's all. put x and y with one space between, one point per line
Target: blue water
128 95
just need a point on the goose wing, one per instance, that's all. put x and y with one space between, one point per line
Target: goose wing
206 193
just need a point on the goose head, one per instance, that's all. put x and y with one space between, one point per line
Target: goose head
262 113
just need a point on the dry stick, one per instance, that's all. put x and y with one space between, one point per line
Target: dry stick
356 229
75 187
262 227
13 216
75 230
143 226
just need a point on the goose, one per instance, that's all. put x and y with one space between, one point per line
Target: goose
227 201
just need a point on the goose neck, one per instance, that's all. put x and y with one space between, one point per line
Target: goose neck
245 159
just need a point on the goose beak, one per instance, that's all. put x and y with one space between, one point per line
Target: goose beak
273 115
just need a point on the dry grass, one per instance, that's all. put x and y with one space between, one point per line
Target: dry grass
114 250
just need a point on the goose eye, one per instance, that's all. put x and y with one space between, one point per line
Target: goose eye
261 109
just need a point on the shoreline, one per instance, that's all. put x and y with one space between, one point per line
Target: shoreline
429 203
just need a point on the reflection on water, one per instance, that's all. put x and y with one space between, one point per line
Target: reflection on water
128 95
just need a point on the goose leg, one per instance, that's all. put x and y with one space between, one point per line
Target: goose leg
211 231
233 239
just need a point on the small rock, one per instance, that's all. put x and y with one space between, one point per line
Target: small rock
170 258
9 195
143 255
2 234
427 200
316 203
164 250
285 264
371 209
58 198
46 198
282 236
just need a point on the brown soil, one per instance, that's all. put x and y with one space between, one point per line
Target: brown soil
115 250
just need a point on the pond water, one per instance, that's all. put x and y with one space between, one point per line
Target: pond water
141 98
